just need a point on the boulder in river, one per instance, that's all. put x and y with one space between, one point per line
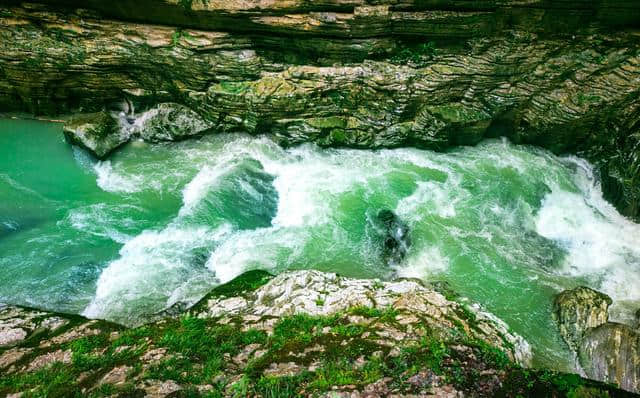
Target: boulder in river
103 132
606 351
396 237
577 310
98 132
169 122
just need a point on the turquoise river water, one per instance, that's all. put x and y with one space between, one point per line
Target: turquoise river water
506 226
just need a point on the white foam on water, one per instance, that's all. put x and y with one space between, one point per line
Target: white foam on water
111 181
150 267
602 246
305 183
307 179
199 186
440 198
422 263
83 158
264 248
103 220
216 165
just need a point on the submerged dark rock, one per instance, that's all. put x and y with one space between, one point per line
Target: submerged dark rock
396 240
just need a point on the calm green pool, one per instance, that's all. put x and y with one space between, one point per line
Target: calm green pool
507 226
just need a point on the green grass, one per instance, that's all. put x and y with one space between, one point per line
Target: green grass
188 4
384 315
199 352
418 54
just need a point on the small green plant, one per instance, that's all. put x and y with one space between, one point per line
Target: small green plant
587 98
176 36
188 4
367 312
417 54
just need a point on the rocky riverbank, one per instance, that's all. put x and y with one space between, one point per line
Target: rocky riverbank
303 333
562 75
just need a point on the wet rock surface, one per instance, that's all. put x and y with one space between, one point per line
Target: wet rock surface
98 132
578 310
611 353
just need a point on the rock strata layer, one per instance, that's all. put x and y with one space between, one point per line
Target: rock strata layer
564 75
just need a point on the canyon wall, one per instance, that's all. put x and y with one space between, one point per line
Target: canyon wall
564 75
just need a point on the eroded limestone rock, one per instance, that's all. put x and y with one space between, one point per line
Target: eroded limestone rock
344 73
98 132
18 324
611 353
168 122
579 309
319 293
49 358
606 351
418 342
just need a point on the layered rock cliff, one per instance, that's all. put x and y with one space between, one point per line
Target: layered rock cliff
560 74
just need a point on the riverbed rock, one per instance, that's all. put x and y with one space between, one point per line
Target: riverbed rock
19 324
396 338
320 294
98 132
11 335
580 309
168 122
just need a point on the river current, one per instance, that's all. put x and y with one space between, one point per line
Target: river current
506 226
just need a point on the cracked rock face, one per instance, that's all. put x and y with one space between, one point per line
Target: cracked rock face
611 353
319 293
